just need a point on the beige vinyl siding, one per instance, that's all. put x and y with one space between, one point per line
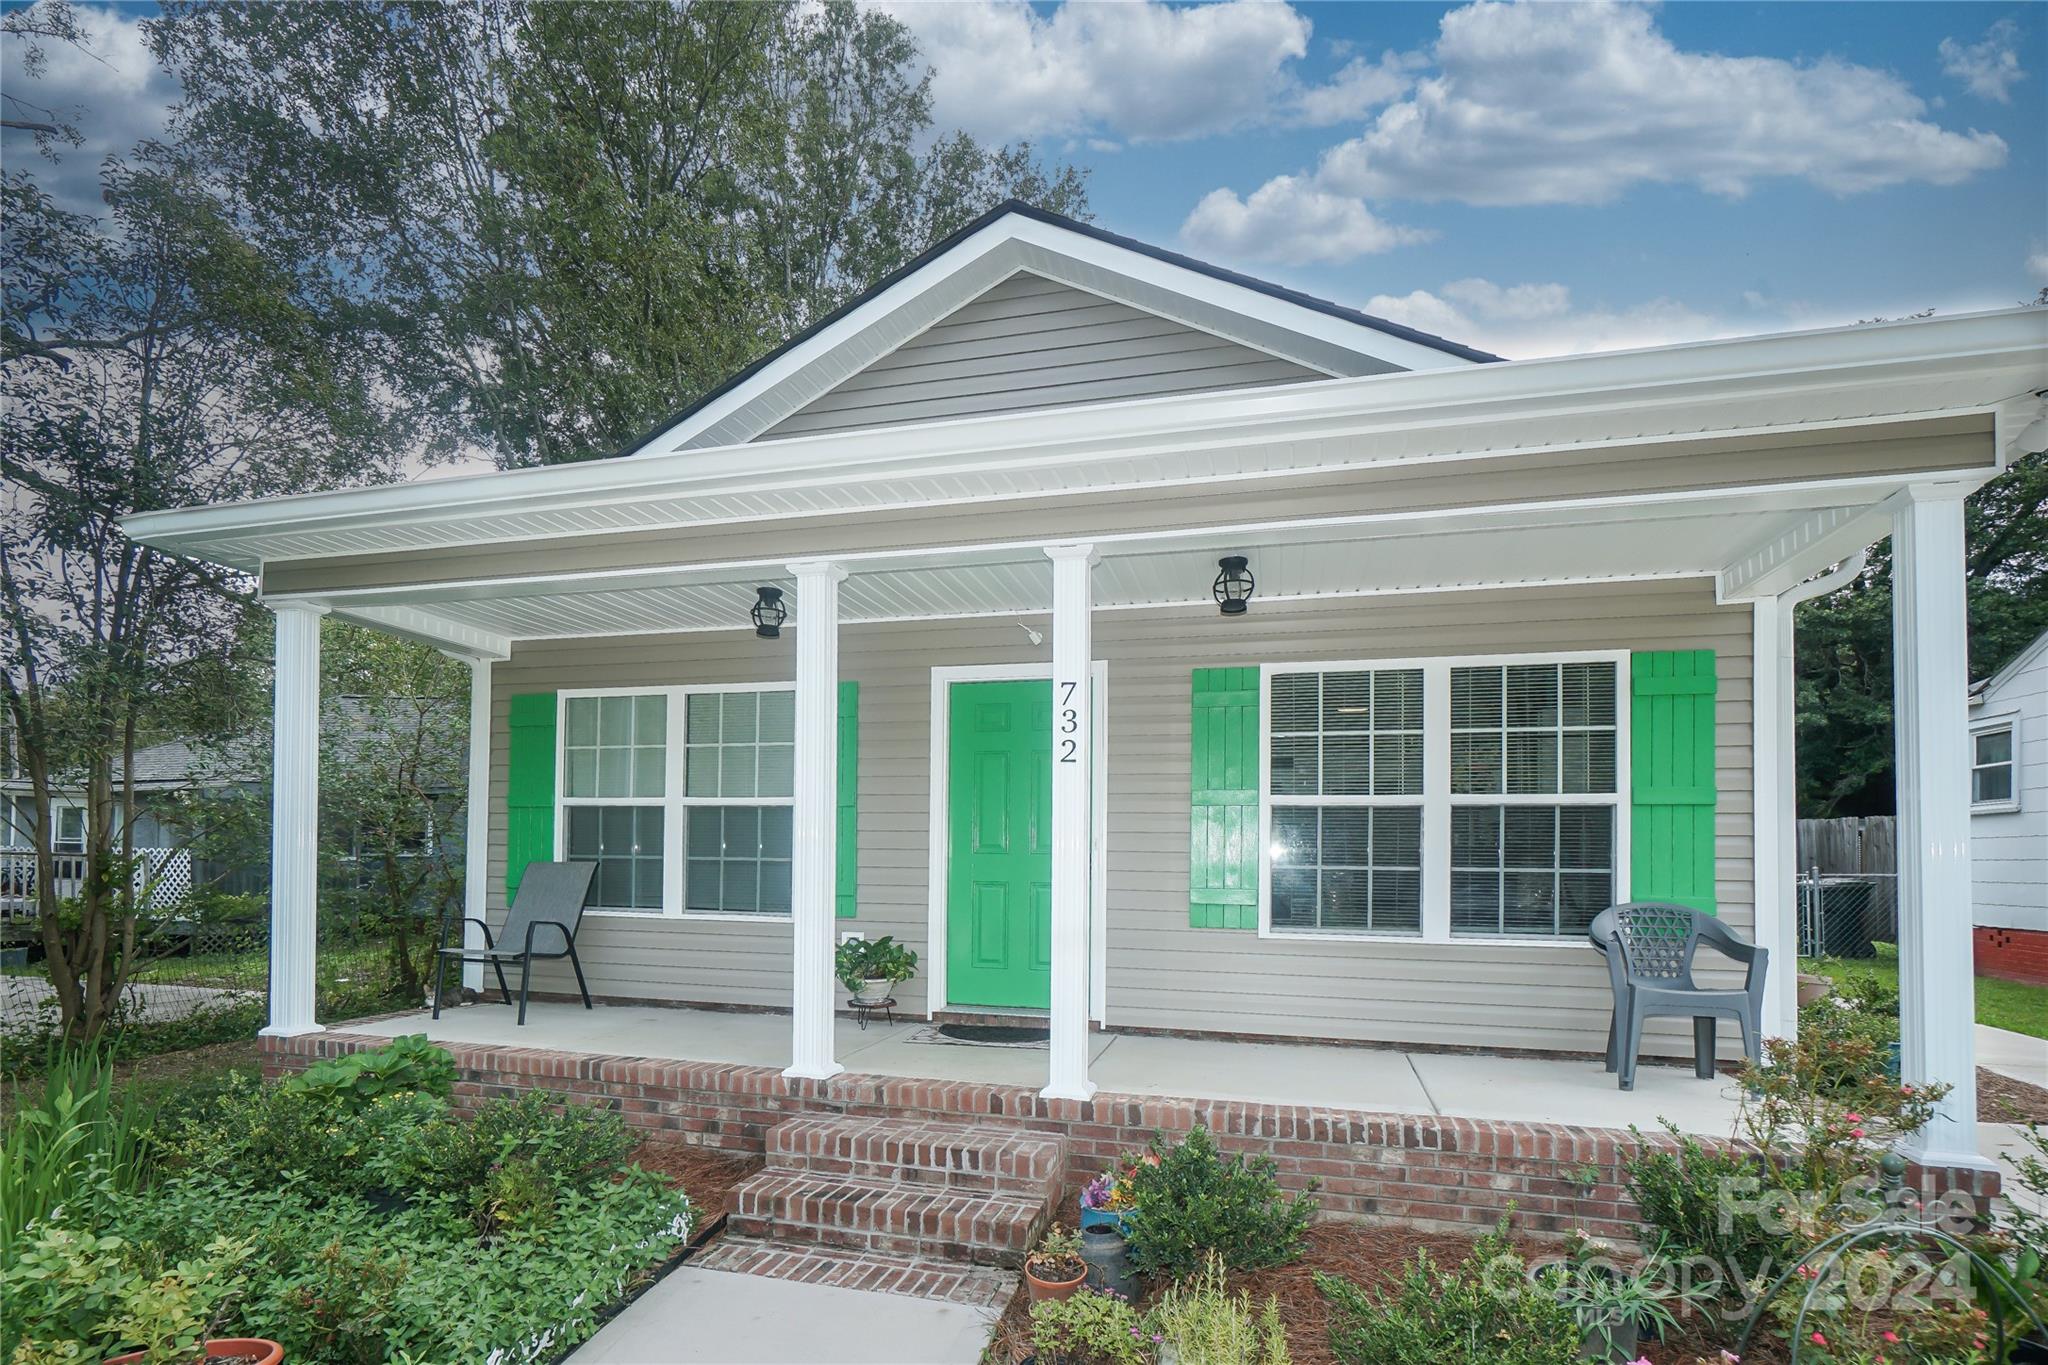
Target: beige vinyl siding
1441 485
1163 974
1031 343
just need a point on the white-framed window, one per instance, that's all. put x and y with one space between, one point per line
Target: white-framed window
682 797
1992 785
1444 799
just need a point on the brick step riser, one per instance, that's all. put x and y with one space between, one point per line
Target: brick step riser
917 1170
978 1160
859 1239
968 1230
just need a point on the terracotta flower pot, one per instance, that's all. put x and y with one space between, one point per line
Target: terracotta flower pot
231 1348
1047 1291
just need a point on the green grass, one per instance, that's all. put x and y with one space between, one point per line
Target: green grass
2013 1005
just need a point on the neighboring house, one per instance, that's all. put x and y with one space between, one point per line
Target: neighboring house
168 778
1514 646
2009 816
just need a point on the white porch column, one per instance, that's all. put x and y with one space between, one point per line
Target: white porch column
476 851
813 823
1775 770
1072 783
294 820
1930 652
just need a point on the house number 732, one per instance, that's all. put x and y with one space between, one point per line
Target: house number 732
1070 720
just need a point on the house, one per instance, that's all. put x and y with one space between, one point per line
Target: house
2009 816
1180 659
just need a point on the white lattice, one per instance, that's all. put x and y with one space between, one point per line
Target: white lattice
163 877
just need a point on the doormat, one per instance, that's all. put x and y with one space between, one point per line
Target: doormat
983 1035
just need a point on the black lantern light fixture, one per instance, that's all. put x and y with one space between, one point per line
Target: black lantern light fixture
769 613
1234 584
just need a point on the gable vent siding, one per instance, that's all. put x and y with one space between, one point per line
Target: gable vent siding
1033 343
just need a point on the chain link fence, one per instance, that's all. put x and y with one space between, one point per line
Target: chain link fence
1843 914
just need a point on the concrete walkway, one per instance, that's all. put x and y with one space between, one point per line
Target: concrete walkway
2013 1054
711 1317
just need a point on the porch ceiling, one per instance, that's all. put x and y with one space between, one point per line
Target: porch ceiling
1580 540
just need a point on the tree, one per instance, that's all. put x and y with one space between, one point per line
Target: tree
1844 649
154 358
564 222
393 756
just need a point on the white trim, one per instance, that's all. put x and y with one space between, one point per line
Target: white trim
936 864
476 848
674 800
1436 800
1608 387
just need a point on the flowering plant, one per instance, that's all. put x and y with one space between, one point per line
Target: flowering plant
1113 1189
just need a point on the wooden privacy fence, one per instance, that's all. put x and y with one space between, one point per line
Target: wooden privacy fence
1854 844
1848 886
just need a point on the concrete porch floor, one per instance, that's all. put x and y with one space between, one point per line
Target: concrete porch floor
1514 1089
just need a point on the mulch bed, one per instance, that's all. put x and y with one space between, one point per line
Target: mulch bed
707 1175
2001 1099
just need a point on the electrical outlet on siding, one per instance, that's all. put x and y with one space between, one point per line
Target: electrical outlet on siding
850 935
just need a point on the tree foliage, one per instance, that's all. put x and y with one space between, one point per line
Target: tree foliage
153 358
1844 649
567 221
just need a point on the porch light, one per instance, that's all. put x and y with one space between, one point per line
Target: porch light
769 613
1233 588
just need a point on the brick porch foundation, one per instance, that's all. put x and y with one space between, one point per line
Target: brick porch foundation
1452 1174
2014 954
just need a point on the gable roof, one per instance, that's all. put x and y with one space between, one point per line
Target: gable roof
1981 690
1014 236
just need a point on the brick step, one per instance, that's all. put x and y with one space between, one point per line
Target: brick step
983 1158
806 1208
977 1286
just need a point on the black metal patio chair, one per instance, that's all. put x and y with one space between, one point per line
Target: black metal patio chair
542 925
1649 946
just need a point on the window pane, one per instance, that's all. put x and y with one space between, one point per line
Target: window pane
626 844
1475 902
1992 784
702 718
740 716
775 888
1397 765
649 775
742 832
1397 699
1294 898
778 717
775 832
1531 696
1475 836
1994 746
1585 837
650 720
1346 900
1475 763
614 720
1294 702
1347 701
701 888
1294 837
742 885
778 770
1589 761
735 768
614 772
1475 698
1397 837
1347 837
1347 765
1555 868
581 777
582 841
701 764
1588 694
1397 902
1294 766
582 717
1529 836
703 832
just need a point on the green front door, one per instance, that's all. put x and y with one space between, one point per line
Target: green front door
999 845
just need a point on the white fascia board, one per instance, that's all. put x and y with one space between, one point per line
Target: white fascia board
426 628
1597 390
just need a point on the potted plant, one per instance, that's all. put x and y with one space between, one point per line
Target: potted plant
1107 1201
1613 1303
1054 1269
134 1298
872 968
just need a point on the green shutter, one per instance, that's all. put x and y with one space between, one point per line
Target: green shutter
1671 768
529 785
848 858
1223 836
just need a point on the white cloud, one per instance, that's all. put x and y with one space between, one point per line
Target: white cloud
1140 71
1523 321
1577 104
2037 266
1989 67
113 91
1291 221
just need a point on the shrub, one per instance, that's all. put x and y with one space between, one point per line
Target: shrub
407 1063
258 1133
76 1296
1205 1324
1089 1329
573 1149
72 1143
1704 1203
1484 1312
1189 1200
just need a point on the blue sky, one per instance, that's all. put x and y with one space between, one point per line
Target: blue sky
1533 179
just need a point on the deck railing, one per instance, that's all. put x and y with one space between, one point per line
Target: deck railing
163 875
